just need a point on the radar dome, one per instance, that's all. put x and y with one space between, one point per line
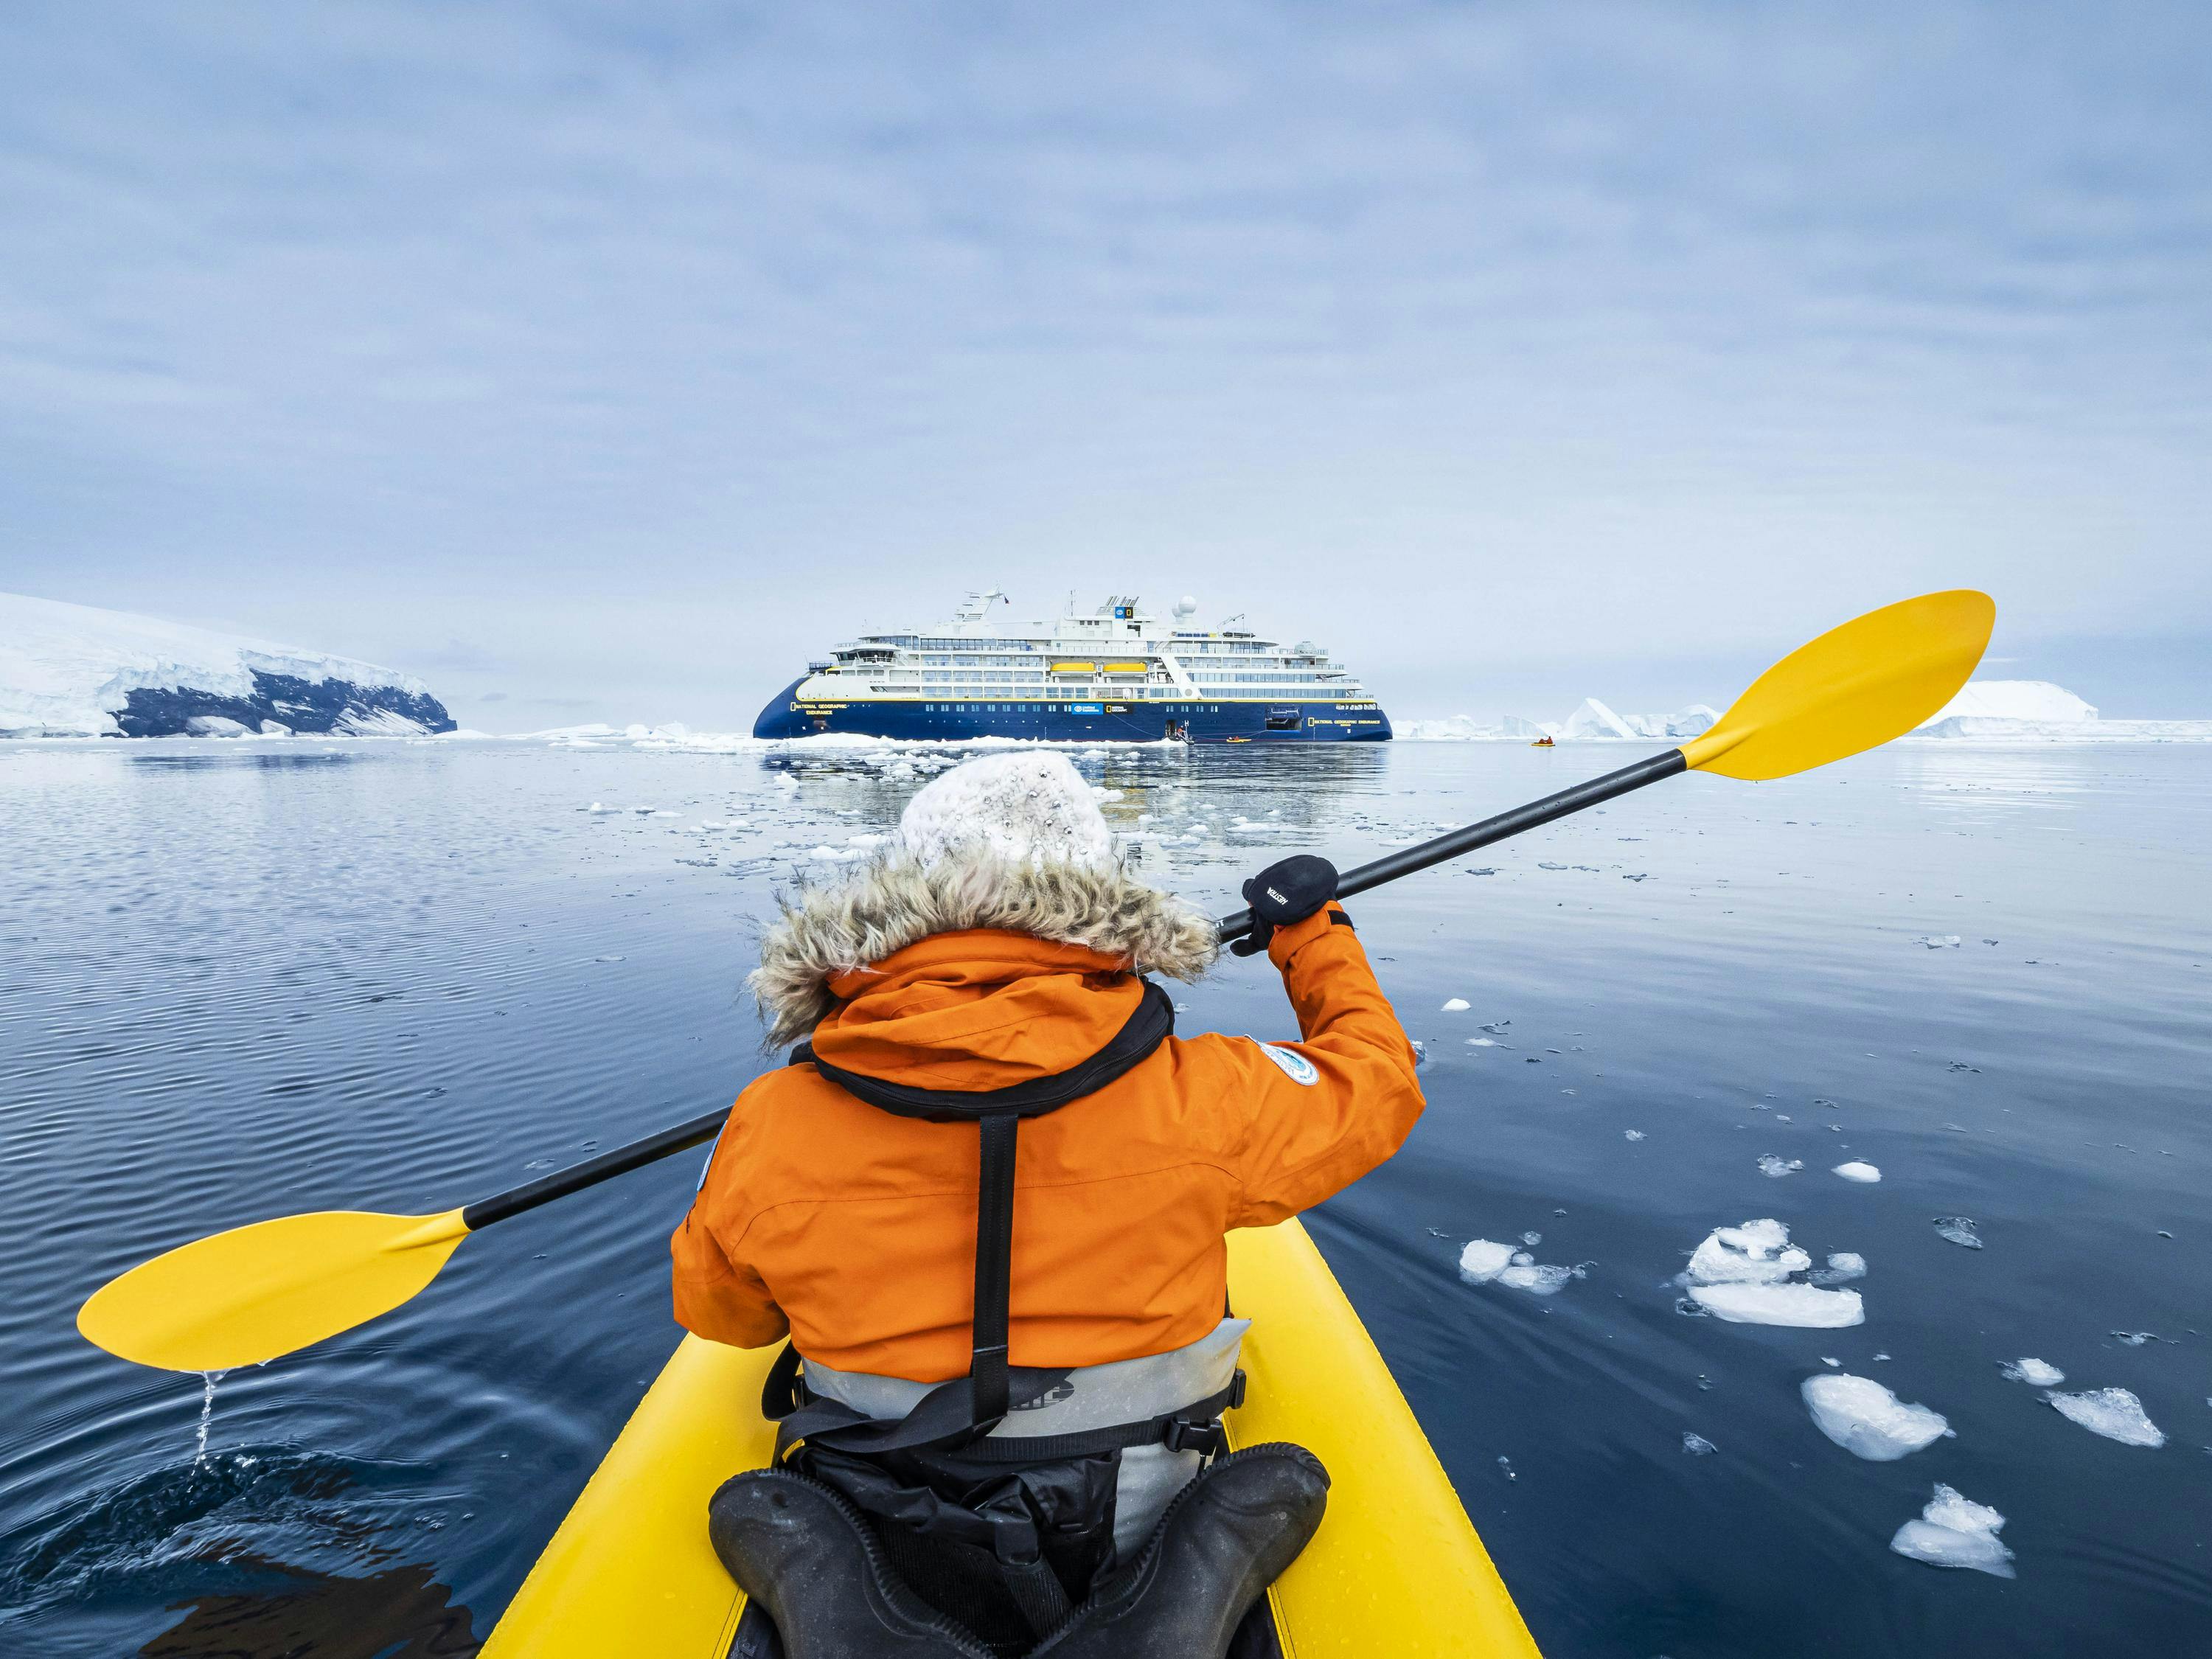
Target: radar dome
1185 608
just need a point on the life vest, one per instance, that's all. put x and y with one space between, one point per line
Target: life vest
1004 1532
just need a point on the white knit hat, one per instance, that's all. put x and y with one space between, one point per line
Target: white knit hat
1028 808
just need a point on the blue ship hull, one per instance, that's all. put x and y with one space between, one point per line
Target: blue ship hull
1106 721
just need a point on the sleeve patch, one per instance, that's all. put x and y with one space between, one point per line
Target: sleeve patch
1296 1065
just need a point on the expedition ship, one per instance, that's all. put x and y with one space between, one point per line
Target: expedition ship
1117 675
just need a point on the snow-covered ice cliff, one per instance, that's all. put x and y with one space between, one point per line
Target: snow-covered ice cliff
74 670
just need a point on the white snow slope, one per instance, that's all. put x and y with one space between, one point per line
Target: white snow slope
66 669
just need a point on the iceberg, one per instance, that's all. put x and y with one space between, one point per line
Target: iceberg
2015 700
2037 708
1594 719
77 671
1693 721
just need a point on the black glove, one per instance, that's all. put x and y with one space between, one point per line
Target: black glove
1282 894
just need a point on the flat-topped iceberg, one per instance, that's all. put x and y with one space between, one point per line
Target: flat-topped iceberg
2038 708
75 671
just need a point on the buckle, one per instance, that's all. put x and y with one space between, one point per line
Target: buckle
1182 1435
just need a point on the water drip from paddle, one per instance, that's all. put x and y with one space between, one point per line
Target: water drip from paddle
208 1380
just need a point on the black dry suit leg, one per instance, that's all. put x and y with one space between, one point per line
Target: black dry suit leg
802 1553
1226 1538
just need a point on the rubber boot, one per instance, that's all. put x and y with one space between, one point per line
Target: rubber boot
806 1556
1224 1540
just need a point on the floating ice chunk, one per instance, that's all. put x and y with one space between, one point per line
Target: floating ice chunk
2041 1373
1532 1239
1484 1042
602 810
1858 1170
1775 1168
1759 1252
1939 941
1697 1446
2113 1412
1959 1229
1632 1134
1842 1266
1482 1261
1955 1532
1457 1006
1806 1306
1867 1420
1535 1278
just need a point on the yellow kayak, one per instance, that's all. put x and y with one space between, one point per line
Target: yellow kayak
1396 1569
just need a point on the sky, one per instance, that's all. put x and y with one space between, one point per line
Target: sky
607 362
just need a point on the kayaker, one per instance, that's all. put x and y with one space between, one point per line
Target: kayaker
1012 1401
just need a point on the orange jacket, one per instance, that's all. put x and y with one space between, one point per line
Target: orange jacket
854 1230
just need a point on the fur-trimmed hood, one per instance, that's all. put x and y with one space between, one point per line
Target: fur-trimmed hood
897 900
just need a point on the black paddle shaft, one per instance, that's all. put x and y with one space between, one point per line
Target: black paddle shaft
702 1129
1454 842
591 1171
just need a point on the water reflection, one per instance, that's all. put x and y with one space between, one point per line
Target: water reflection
403 1614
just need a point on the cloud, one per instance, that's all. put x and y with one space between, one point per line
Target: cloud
663 344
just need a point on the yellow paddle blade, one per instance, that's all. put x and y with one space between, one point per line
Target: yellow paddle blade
253 1293
1875 678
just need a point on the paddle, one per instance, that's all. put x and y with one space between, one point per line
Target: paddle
249 1295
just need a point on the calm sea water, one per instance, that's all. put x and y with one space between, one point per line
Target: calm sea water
244 980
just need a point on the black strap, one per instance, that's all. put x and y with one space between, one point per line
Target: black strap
994 1266
1150 1024
1194 1427
969 1407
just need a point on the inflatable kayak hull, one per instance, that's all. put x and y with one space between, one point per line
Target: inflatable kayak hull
1396 1569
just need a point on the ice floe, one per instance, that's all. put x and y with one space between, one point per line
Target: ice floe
1775 1168
2041 1373
1959 1229
1868 1420
1857 1170
1757 1253
1955 1532
1697 1446
2116 1413
1525 1273
1744 1276
1456 1005
1842 1266
1805 1306
1483 1262
1632 1134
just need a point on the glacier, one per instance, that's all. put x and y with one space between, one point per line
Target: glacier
75 671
